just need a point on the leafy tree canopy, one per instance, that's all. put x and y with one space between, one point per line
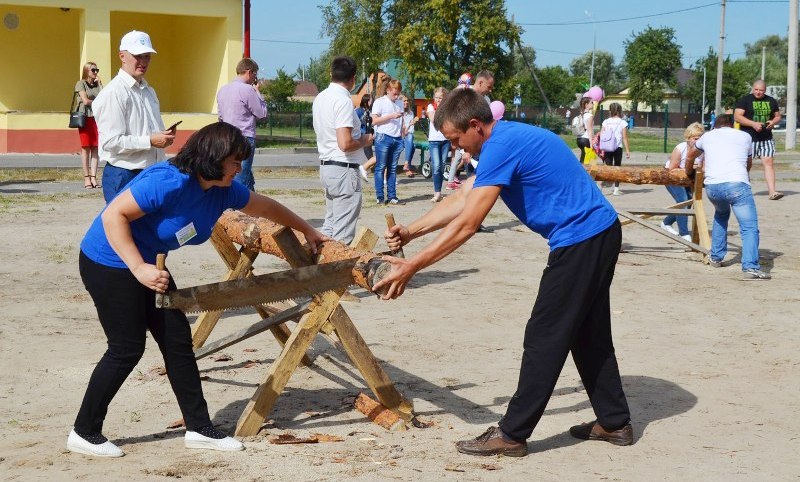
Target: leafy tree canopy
280 89
606 74
651 59
437 39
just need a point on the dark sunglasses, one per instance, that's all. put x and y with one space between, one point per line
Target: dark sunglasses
95 70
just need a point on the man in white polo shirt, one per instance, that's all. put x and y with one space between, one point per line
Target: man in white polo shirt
339 141
728 159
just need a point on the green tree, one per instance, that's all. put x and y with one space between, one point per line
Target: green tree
735 81
357 28
607 74
317 71
279 89
651 57
436 39
440 39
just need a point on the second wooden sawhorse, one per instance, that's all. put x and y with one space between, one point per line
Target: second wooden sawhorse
695 207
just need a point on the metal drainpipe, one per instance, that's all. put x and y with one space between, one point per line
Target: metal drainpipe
246 28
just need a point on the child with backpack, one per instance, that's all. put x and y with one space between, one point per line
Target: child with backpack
583 125
613 136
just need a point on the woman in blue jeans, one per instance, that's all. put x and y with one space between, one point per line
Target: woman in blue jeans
409 119
387 118
682 193
438 144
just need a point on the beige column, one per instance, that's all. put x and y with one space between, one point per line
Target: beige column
95 30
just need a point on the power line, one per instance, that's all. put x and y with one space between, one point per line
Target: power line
287 41
590 22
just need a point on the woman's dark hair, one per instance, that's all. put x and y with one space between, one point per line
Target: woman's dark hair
207 148
615 109
366 101
584 102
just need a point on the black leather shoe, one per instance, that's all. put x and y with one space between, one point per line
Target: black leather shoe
593 431
492 442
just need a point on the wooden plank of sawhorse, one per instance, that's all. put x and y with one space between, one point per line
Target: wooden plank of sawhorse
352 344
252 330
230 256
374 375
296 346
208 319
700 224
635 218
281 370
661 211
674 206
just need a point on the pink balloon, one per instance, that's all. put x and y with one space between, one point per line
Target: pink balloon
595 93
498 109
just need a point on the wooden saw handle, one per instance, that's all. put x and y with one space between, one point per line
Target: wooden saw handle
161 263
390 224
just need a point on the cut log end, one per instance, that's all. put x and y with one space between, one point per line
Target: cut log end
379 414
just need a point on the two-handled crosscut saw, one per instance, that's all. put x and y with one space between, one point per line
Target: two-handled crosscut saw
262 289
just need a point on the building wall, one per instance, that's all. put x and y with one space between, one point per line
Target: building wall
43 57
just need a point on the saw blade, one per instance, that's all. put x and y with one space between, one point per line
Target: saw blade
265 288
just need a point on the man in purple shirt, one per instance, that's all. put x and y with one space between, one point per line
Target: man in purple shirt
241 104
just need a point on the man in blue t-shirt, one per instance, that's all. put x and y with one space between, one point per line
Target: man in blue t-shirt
535 174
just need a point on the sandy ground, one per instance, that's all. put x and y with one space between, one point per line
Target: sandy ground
709 362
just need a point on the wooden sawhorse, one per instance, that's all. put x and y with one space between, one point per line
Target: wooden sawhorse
701 241
323 314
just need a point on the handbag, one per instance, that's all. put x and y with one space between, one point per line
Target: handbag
77 119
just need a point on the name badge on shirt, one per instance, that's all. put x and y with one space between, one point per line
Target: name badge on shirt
185 234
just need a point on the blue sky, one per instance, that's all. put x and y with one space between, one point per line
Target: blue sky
286 34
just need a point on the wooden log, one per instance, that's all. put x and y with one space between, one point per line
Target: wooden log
258 234
638 175
378 413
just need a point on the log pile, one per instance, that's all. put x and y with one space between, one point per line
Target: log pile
257 234
638 175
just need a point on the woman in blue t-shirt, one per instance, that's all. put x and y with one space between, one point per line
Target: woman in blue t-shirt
168 205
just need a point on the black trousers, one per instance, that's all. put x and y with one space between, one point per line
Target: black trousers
126 309
613 159
583 143
572 313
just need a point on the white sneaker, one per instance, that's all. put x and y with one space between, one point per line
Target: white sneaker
77 444
363 173
687 237
616 192
194 440
669 229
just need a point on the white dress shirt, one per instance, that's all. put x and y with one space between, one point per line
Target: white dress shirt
127 112
333 109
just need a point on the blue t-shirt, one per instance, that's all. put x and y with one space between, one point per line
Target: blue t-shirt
543 184
177 212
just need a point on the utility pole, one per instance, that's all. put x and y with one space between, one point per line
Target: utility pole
703 104
791 79
718 99
594 47
763 63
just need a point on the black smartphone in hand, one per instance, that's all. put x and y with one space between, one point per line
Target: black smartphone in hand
173 126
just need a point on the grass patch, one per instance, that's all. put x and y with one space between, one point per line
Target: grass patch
639 142
304 193
285 172
42 174
11 201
